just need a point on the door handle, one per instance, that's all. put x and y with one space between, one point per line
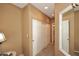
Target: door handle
32 40
67 39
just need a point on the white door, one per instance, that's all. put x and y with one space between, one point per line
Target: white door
65 35
34 40
40 35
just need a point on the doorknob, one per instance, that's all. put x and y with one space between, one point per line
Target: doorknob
68 39
32 40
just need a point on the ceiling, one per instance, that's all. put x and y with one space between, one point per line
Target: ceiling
41 6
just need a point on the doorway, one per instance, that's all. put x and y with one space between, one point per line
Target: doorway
40 35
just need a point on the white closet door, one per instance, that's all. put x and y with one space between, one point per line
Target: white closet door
34 40
40 36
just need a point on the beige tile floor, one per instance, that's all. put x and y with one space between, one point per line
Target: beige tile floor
48 51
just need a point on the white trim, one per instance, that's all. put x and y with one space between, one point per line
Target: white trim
60 29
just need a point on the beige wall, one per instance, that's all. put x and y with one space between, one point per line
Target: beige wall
30 12
10 24
26 25
58 7
76 29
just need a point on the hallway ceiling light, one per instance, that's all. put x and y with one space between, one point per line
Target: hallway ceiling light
46 7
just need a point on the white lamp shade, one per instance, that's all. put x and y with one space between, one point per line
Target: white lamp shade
2 37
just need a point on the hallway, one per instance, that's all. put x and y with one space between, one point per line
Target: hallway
48 51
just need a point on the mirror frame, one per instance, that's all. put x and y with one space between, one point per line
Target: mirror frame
68 8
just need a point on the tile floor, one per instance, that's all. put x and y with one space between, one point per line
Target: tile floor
48 51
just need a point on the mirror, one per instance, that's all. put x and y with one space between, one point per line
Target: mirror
69 30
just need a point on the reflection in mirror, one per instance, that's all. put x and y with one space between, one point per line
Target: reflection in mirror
65 35
70 31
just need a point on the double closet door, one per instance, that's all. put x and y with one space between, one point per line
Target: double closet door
40 35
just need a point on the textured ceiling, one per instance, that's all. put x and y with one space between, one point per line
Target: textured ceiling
49 12
21 5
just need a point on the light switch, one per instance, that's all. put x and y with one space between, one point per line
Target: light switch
27 35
